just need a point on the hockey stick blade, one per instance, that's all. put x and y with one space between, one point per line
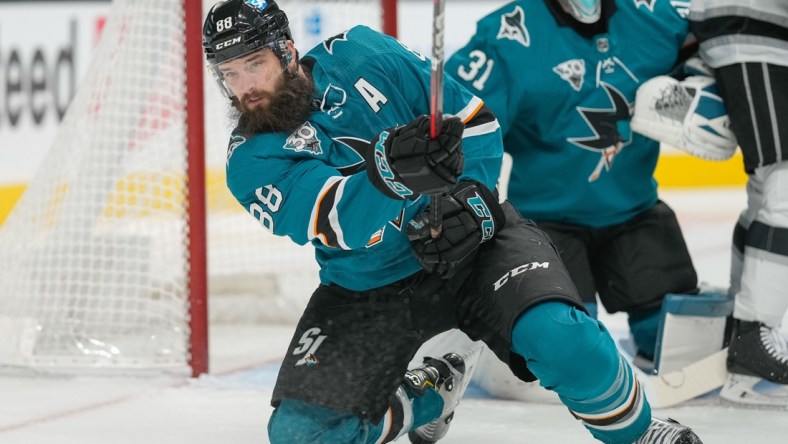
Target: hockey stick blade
675 387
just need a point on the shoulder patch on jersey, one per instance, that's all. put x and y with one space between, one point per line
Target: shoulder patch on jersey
235 142
333 99
572 71
513 27
329 42
304 139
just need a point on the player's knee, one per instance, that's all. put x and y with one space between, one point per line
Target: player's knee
592 308
561 343
296 422
289 424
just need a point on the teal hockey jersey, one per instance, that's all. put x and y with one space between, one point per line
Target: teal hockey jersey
564 100
312 185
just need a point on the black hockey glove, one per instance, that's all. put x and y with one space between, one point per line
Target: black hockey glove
404 162
471 216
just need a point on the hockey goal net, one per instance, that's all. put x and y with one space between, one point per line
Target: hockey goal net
103 260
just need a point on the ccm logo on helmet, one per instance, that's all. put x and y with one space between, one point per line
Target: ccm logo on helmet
518 270
228 43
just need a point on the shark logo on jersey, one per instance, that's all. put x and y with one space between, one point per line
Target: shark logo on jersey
304 139
647 3
333 99
235 142
513 27
257 4
610 127
329 42
572 71
353 158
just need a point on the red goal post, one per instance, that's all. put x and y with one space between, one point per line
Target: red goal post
108 259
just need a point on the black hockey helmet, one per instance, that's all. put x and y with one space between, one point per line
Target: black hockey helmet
235 28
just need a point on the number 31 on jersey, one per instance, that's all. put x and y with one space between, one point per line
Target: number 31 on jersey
479 68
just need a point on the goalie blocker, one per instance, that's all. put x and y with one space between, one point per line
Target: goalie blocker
687 114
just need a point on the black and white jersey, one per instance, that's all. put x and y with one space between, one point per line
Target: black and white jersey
736 31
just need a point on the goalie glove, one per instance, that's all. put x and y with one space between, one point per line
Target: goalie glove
404 162
471 216
688 115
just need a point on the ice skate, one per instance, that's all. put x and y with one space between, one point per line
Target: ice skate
668 432
757 366
450 376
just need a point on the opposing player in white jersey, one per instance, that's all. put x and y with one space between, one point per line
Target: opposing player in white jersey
746 44
333 149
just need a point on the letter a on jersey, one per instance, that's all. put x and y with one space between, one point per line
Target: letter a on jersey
513 27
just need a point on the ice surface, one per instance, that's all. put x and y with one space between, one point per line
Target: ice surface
232 404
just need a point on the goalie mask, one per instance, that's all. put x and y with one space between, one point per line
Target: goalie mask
584 11
238 28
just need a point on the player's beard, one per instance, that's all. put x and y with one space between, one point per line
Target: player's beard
287 108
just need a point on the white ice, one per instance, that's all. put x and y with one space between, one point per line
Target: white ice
232 404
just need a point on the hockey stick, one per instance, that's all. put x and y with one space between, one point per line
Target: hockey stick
675 387
436 104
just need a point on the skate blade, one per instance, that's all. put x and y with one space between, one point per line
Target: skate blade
754 392
471 358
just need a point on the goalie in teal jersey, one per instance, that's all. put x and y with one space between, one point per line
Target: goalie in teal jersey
333 149
561 77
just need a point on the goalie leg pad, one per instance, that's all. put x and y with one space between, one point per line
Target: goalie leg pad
692 328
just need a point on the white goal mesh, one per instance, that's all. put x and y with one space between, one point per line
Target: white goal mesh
94 258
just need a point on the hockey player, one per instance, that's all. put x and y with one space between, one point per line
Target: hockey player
747 46
333 149
561 77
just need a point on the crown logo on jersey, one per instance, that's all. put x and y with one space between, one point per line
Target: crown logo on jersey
572 71
304 139
513 27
